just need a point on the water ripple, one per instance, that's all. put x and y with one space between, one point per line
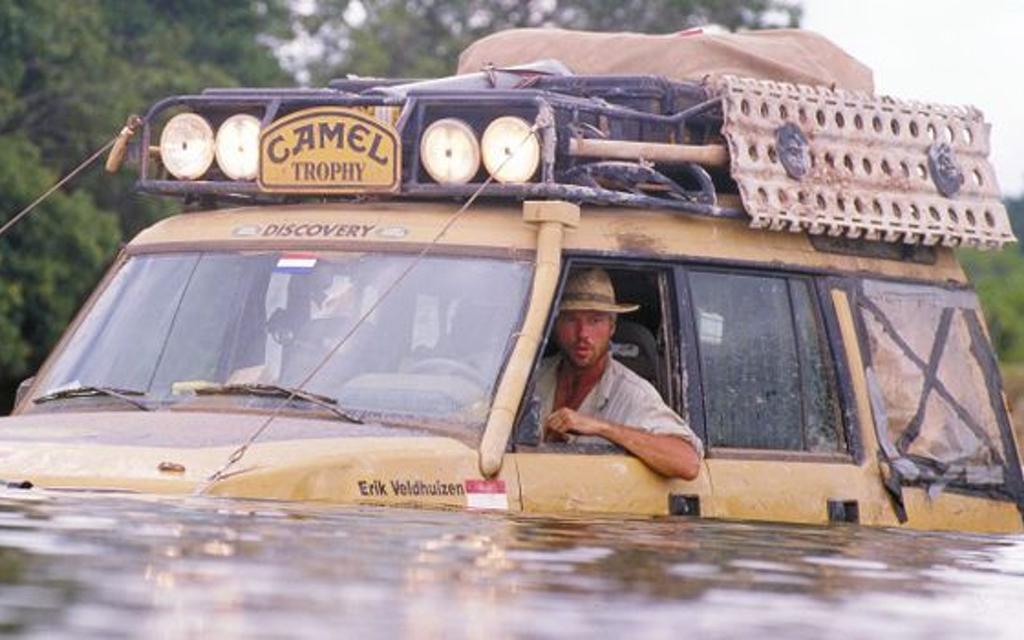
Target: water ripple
108 567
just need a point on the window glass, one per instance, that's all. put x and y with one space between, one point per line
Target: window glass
208 320
118 342
766 376
434 347
817 378
748 361
927 355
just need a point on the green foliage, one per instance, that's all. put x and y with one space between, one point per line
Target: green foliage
999 279
1015 209
43 262
423 38
70 73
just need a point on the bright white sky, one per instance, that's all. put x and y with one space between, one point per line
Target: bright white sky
948 51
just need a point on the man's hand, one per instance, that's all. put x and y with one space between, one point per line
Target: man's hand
565 421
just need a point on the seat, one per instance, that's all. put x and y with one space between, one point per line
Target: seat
634 345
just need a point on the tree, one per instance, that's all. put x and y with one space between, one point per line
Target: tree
69 75
43 261
71 72
1015 209
998 278
423 38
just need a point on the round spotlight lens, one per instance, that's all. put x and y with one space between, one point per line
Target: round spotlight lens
238 147
511 150
449 151
186 146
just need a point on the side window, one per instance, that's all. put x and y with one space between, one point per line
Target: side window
766 372
644 341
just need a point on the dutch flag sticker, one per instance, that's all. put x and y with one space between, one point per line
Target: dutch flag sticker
486 494
295 263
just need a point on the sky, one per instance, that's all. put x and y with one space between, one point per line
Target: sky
948 51
962 52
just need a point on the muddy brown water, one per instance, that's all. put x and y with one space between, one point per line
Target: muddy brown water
108 566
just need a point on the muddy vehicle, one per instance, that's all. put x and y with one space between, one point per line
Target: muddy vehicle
355 304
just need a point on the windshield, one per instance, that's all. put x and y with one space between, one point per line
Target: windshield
433 347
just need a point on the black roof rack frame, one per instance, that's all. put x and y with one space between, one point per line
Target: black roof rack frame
626 108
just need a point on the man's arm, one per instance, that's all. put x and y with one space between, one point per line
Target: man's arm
668 455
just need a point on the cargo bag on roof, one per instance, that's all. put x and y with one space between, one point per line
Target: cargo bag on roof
785 55
935 392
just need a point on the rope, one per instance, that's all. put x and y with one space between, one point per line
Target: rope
74 172
237 455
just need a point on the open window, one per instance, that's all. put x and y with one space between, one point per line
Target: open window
644 340
767 375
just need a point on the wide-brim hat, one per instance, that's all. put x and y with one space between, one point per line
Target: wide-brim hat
591 290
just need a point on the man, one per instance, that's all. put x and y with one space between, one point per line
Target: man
585 392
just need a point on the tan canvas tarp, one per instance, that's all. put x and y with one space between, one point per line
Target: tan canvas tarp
786 55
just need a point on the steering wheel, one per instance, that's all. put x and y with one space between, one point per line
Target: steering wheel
447 365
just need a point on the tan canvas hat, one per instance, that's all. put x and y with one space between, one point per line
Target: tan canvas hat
591 290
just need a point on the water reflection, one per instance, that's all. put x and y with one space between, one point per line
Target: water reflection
105 566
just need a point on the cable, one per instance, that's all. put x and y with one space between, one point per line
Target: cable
240 452
74 172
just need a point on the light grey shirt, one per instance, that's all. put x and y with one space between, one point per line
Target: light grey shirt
621 397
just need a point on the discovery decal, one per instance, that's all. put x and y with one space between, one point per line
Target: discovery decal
306 230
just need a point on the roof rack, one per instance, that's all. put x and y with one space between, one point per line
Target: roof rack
800 158
573 109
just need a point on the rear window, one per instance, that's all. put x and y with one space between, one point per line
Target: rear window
934 387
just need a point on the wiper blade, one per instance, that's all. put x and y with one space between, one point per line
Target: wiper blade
278 391
86 391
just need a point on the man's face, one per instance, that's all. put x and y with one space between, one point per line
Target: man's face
584 336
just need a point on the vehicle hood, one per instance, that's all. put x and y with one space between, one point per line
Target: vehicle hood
294 458
180 429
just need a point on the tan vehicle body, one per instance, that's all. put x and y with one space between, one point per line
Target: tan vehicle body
432 471
786 237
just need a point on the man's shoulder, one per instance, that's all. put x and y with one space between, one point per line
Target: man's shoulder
631 381
636 403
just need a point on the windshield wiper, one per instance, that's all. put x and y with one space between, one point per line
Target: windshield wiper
278 391
86 391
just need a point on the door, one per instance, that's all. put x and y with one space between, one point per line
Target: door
594 475
769 396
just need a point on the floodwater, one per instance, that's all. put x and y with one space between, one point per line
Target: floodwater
110 566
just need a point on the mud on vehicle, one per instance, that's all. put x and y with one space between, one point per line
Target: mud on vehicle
355 304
